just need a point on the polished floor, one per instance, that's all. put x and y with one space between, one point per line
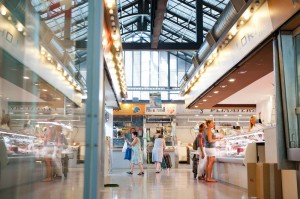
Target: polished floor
176 183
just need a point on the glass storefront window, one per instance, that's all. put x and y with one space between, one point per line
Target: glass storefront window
42 84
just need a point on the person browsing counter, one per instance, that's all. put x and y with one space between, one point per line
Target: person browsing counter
253 125
210 149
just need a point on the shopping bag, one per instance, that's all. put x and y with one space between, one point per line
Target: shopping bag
124 147
128 154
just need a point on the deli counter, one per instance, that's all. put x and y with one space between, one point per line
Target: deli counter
235 151
19 159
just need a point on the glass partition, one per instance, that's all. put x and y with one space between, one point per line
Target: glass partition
42 83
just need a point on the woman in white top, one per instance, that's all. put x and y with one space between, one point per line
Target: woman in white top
253 126
158 152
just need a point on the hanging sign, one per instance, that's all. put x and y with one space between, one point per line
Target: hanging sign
155 100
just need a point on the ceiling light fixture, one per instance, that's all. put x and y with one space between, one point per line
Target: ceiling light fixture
19 27
44 90
196 106
3 11
223 86
215 92
242 72
204 100
231 80
26 77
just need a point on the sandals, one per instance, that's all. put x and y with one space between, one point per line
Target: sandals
141 173
129 172
211 180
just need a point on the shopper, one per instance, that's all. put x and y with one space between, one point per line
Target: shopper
201 151
136 157
5 122
58 147
48 151
158 152
210 149
253 125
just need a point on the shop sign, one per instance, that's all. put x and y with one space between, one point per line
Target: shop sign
131 109
32 109
166 109
232 110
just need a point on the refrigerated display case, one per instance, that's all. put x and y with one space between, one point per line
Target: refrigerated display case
234 152
235 145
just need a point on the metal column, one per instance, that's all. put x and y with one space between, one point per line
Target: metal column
93 176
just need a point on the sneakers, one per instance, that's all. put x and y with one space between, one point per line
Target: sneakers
129 172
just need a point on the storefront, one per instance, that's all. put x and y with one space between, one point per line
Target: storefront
254 64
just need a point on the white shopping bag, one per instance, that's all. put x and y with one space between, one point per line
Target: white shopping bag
124 147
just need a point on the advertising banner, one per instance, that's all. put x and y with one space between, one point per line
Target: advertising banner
131 109
166 109
155 100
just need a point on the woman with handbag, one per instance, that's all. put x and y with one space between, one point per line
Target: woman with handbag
136 157
158 152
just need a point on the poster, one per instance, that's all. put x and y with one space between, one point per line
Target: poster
155 100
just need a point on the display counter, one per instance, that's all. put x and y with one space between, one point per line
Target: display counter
232 157
19 164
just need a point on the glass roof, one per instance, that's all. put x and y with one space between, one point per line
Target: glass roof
179 24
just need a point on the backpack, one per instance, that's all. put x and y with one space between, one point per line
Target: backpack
195 143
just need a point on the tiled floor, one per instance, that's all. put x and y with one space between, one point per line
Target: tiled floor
177 183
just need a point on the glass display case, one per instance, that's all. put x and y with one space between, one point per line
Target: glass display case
235 145
20 144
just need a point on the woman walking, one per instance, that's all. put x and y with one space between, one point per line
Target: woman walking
158 152
136 157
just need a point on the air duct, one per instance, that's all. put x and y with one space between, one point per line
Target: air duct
222 25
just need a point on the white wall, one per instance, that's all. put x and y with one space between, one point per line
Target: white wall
185 134
266 107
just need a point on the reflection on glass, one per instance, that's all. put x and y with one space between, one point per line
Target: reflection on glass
42 82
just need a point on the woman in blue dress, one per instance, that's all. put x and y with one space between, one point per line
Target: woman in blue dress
136 157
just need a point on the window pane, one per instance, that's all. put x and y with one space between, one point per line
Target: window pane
164 95
163 69
136 68
154 69
145 60
173 71
128 67
144 95
136 94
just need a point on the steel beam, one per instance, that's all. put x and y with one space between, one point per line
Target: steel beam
161 46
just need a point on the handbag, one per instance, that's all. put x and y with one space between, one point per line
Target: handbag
128 154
